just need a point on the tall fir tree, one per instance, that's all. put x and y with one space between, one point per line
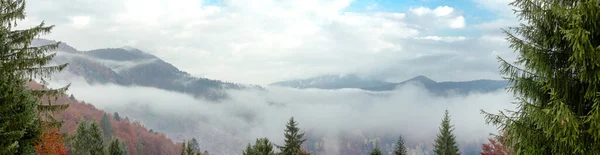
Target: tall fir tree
114 148
189 150
195 145
19 63
124 148
445 142
376 151
183 148
555 78
399 148
293 139
262 146
117 117
106 126
88 139
139 146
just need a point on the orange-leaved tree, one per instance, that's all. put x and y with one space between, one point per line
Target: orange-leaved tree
51 143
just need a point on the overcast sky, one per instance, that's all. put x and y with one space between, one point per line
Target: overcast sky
264 41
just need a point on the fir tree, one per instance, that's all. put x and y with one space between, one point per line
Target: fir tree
293 139
115 148
399 148
189 149
183 149
139 146
124 148
195 145
88 139
445 143
555 78
376 151
19 63
107 129
261 147
117 117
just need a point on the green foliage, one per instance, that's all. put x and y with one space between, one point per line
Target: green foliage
445 142
194 145
399 148
555 79
189 150
107 129
261 147
20 113
117 117
88 140
115 148
376 151
293 139
139 146
124 148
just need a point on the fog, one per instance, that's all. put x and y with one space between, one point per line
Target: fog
227 126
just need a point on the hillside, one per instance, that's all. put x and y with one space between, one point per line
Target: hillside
129 66
129 131
353 81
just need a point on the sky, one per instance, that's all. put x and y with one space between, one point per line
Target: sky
265 41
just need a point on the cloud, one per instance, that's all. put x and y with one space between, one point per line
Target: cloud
438 38
226 127
259 42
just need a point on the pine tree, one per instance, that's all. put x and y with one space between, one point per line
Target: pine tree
88 139
293 139
189 149
117 117
262 146
445 143
195 145
555 78
124 148
140 146
399 148
19 62
376 151
183 149
115 148
107 129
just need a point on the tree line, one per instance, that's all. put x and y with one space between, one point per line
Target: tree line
556 82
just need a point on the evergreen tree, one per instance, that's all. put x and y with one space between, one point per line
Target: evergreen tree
115 148
183 149
445 143
293 139
124 148
88 139
189 149
195 145
107 129
19 62
140 146
261 147
399 148
376 151
555 78
117 117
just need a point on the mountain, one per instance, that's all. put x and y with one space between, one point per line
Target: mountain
333 82
353 81
133 133
129 66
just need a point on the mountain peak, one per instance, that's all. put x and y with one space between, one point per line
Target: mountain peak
422 79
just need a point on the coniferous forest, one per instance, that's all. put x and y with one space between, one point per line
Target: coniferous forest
555 82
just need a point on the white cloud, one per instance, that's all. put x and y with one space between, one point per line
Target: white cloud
80 21
458 22
446 39
255 42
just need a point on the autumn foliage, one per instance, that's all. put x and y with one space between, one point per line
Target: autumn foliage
51 143
127 131
494 148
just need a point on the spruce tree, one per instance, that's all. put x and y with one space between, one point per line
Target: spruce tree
399 148
139 146
117 117
189 149
195 145
106 126
293 139
19 63
115 148
88 139
376 151
124 148
262 146
445 142
555 78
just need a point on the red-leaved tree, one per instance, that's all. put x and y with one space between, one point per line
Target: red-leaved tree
494 148
51 143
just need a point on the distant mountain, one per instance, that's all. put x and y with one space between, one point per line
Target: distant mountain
353 81
130 66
